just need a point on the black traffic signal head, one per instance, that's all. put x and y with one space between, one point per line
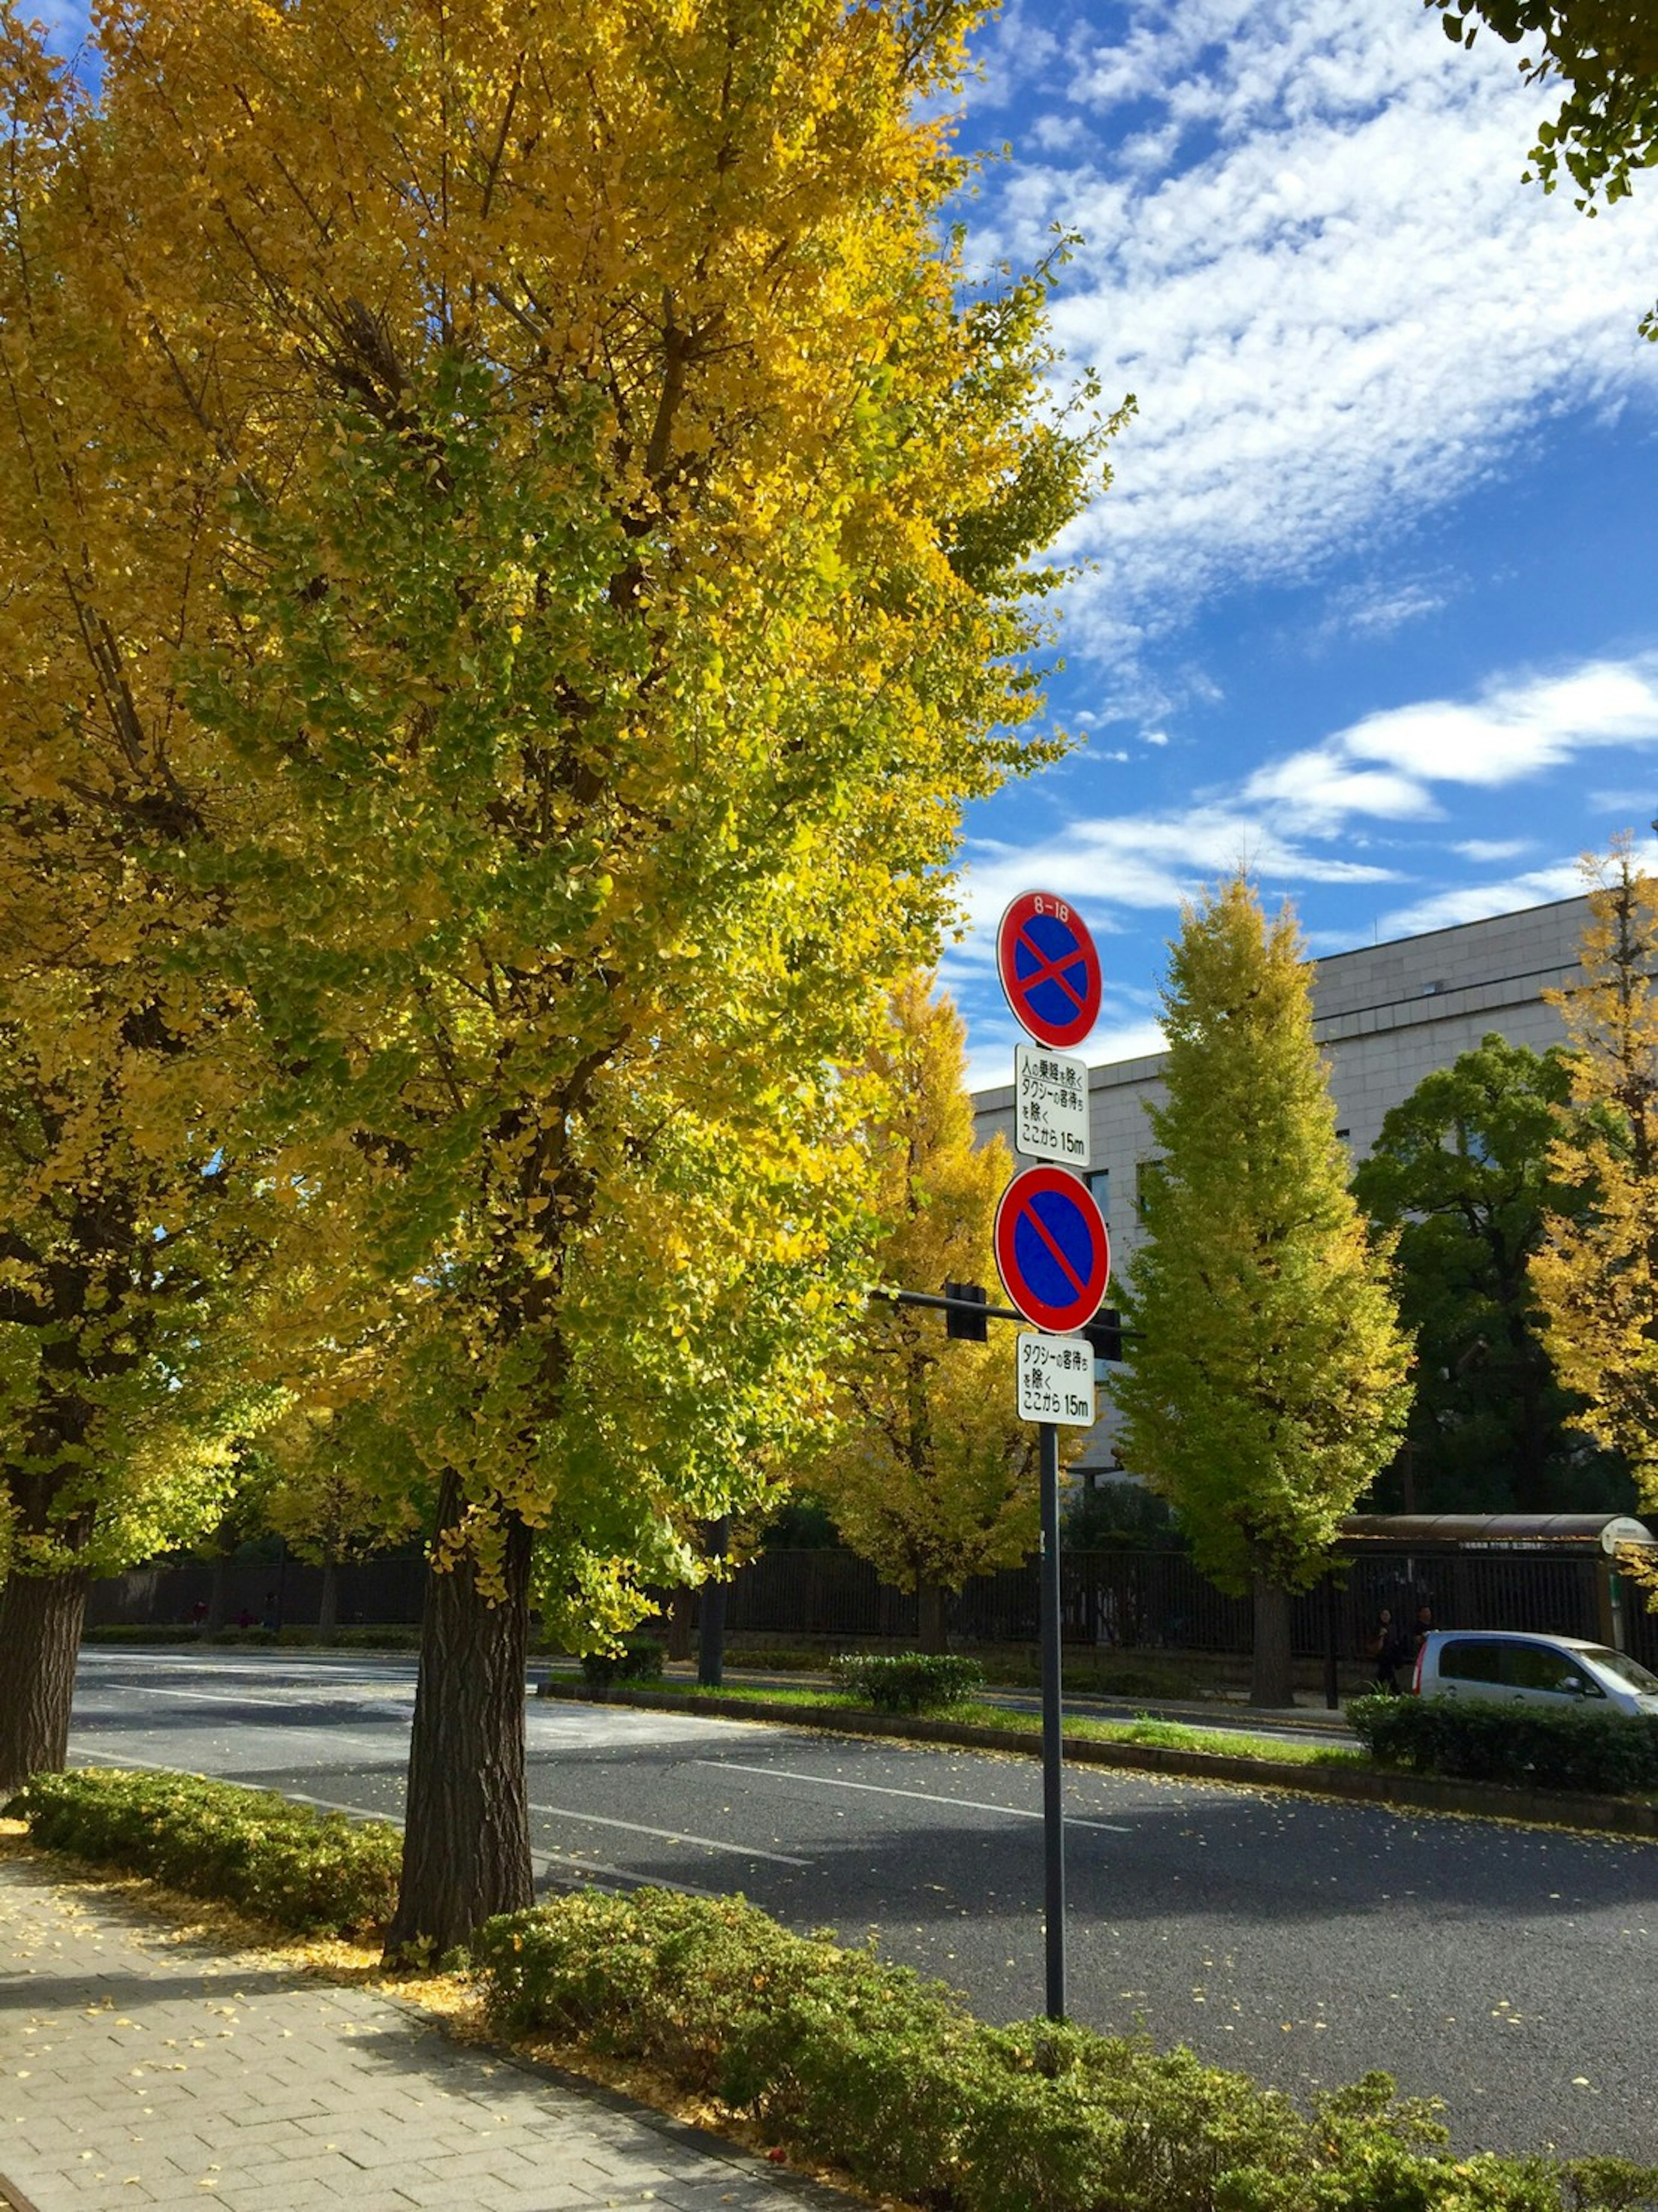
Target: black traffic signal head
1104 1332
967 1327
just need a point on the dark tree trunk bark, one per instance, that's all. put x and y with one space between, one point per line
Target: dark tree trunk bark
40 1618
218 1595
711 1613
932 1617
679 1625
466 1831
1271 1682
328 1608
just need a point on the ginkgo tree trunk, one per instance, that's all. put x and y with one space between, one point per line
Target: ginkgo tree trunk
613 504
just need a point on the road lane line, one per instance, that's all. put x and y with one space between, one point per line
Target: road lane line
670 1835
592 1867
546 1860
927 1797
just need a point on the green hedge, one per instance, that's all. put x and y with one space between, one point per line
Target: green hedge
313 1871
905 1681
840 2058
1481 1739
637 1661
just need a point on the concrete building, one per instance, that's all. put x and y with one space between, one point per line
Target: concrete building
1384 1015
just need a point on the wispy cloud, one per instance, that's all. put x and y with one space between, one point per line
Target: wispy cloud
1386 765
1335 298
1482 851
1474 901
1301 820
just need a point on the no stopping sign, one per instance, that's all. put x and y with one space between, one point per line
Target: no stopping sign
1049 969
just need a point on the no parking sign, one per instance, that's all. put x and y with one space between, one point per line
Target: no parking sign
1052 1250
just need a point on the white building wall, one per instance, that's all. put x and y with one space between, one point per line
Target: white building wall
1384 1015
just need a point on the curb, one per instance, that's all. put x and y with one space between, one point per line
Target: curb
1416 1793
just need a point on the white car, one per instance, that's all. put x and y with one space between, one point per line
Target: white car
1549 1674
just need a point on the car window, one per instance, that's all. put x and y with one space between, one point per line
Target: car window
1627 1670
1534 1666
1468 1660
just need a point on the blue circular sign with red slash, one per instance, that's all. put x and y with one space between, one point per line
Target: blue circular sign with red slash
1049 969
1052 1250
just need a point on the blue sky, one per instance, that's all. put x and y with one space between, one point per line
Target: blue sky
1372 604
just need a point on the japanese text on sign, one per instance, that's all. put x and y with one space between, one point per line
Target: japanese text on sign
1056 1380
1050 1093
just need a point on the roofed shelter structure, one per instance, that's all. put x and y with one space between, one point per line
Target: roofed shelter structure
1457 1560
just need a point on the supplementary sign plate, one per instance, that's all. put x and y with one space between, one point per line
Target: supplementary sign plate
1050 1106
1049 970
1052 1251
1056 1380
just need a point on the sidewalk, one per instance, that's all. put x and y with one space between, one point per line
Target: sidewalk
135 2069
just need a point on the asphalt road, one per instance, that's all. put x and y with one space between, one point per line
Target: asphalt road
1509 1972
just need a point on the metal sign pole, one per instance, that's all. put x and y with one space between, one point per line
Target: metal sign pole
1053 1739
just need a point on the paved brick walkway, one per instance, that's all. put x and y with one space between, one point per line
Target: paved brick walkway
135 2069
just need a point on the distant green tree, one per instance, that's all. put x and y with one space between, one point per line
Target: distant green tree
1120 1516
1461 1173
1269 1378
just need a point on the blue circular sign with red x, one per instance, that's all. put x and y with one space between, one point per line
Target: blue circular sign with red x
1049 969
1052 1251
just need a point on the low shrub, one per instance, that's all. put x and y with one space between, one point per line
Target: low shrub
313 1871
906 1681
1485 1740
639 1661
838 2056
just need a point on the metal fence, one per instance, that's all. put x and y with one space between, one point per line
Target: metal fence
371 1591
1151 1601
1126 1601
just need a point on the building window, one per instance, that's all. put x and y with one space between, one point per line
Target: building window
1099 1182
1145 1175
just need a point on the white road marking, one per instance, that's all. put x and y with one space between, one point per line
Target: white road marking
545 1860
592 1866
927 1797
670 1835
251 1697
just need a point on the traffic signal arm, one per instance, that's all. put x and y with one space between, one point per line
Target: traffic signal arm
966 1311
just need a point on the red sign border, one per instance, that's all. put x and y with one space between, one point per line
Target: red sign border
1060 1036
1052 1320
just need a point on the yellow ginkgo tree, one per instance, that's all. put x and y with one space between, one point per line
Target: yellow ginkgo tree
131 1242
1597 1275
931 1473
609 504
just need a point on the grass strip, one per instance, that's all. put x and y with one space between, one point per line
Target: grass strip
1147 1728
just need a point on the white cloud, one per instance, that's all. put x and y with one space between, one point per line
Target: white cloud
1299 821
1377 609
1474 901
1384 766
1342 306
1150 862
1482 850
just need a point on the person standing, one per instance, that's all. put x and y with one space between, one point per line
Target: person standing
1390 1647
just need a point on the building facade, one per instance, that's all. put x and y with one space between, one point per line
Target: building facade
1384 1017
